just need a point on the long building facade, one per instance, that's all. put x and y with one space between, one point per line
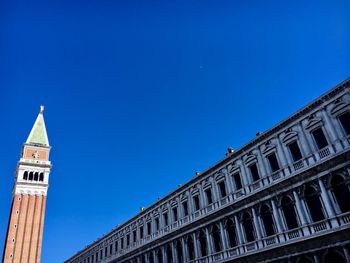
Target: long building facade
282 197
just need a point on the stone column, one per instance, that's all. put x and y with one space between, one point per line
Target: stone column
283 159
161 219
301 213
262 163
245 176
209 241
215 190
153 227
201 197
239 231
224 239
257 225
239 234
287 154
190 204
258 229
173 252
196 249
155 258
317 259
184 249
328 204
299 208
164 254
334 136
306 211
305 145
278 220
170 215
229 186
346 253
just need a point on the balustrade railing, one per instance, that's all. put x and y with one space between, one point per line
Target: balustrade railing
255 185
345 218
320 226
224 200
233 251
209 208
239 193
298 165
290 235
270 240
276 175
250 246
217 256
295 233
324 152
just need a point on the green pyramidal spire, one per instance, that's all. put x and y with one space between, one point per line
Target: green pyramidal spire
38 133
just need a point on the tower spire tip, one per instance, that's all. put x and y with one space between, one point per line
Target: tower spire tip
41 108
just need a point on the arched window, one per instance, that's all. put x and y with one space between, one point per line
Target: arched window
266 216
333 256
203 243
341 193
190 248
179 254
231 233
289 213
216 238
41 177
248 227
36 176
169 254
159 256
25 175
31 175
313 203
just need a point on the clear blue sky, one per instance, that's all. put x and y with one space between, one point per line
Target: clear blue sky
141 94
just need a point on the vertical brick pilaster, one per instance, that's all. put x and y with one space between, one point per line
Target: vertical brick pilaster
21 227
12 229
41 230
36 229
28 229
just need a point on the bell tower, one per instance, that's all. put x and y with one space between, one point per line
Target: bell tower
26 221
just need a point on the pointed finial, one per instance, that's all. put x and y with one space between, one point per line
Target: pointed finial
41 108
